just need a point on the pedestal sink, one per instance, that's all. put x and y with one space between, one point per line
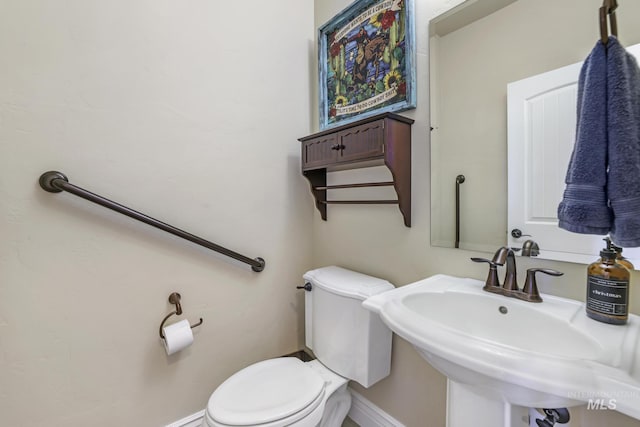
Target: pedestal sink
510 354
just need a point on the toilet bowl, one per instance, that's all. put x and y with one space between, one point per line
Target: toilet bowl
350 343
279 392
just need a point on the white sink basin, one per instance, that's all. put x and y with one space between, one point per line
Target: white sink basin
547 354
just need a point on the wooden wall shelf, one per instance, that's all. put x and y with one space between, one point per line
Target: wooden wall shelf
384 139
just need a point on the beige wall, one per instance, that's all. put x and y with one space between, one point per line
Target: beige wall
473 67
182 111
189 112
373 239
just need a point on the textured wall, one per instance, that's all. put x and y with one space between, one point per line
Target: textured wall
372 239
189 112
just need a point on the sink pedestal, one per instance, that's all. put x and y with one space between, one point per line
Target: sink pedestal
467 406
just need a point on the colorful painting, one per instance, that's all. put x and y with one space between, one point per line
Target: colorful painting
367 61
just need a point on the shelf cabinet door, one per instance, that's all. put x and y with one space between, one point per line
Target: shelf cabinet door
384 139
319 152
362 142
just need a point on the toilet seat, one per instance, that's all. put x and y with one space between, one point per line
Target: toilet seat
273 393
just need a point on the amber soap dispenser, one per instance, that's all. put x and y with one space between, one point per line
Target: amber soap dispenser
608 289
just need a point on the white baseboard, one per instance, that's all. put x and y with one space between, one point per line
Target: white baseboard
362 411
366 414
193 420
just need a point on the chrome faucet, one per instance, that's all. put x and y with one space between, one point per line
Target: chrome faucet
506 255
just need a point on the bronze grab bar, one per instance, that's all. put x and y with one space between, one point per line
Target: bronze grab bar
459 180
55 182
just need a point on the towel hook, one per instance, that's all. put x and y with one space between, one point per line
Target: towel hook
608 9
174 299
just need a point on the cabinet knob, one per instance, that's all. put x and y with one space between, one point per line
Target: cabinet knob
337 147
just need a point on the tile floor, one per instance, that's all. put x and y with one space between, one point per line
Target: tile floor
348 422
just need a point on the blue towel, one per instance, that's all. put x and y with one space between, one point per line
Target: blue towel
603 180
584 207
623 116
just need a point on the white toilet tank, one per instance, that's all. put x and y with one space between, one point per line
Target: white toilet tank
348 339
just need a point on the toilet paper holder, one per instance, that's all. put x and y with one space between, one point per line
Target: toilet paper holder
174 299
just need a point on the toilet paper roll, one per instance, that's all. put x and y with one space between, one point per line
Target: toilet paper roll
177 336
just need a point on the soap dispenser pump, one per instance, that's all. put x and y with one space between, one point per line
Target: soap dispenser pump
620 259
608 289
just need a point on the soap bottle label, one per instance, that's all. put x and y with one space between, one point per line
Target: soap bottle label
607 296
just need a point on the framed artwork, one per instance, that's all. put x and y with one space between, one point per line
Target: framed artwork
367 61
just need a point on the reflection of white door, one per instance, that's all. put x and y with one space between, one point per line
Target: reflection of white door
541 133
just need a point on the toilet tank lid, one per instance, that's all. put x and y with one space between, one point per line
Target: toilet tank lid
347 282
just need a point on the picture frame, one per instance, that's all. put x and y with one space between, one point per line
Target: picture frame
366 61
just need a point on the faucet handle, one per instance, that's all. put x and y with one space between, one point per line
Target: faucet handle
530 291
492 284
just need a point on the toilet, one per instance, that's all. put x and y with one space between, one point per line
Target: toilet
349 342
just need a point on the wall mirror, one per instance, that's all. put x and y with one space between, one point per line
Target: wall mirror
476 50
